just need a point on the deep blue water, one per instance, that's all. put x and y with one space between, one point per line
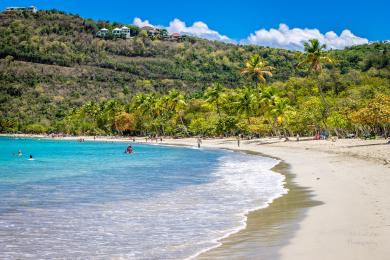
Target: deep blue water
91 200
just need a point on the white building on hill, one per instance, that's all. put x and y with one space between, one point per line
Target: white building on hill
103 33
117 32
126 32
28 9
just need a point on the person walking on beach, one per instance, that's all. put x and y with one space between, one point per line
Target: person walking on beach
238 140
199 141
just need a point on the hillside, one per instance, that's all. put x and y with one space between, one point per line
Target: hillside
52 62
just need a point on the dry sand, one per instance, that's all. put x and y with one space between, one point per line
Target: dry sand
350 184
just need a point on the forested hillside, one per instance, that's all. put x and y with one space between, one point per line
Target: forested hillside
52 66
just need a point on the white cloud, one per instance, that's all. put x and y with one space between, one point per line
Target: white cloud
293 39
138 22
283 37
199 29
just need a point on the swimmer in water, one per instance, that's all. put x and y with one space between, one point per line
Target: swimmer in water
20 153
31 158
129 149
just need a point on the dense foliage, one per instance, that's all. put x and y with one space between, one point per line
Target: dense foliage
56 76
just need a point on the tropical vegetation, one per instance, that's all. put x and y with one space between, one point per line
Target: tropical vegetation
56 77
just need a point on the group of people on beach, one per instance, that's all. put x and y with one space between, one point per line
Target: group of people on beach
153 138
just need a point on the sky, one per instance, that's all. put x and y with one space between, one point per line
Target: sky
278 23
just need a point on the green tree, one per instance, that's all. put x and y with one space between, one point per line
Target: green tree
215 96
314 56
257 69
246 102
124 122
177 104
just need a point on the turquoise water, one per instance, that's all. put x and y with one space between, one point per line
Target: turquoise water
90 200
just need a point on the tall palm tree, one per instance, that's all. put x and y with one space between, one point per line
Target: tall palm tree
314 56
257 69
176 103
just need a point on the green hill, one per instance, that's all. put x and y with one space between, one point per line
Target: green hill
51 62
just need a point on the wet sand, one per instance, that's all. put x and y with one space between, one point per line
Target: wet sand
268 229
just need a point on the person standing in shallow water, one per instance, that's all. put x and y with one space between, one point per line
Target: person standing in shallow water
199 141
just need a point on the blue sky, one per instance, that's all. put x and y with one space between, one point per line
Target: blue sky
239 19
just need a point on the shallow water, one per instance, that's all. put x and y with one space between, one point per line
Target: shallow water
90 200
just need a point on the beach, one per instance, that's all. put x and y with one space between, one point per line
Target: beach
349 177
340 209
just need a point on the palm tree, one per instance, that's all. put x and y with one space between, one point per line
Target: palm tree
267 98
214 95
145 104
246 101
280 105
176 103
257 69
314 56
108 110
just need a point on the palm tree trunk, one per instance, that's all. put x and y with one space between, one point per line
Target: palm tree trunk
322 97
325 103
182 123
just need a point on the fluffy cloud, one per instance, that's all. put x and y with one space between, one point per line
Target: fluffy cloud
199 29
293 39
283 37
138 22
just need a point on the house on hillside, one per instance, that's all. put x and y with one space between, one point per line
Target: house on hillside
147 28
153 33
126 33
22 9
103 33
117 32
176 37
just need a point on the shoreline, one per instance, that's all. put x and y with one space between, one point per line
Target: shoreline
259 239
351 177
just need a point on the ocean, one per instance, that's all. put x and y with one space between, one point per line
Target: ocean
90 200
